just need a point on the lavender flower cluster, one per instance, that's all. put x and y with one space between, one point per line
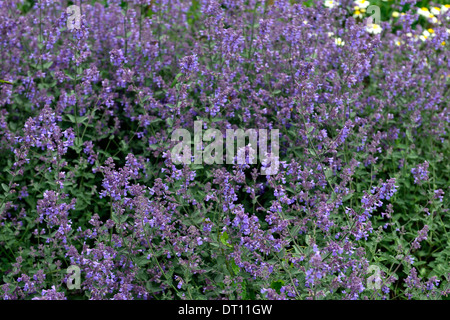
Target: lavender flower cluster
86 116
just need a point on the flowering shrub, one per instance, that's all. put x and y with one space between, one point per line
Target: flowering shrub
88 179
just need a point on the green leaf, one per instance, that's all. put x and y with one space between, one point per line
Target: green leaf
276 285
114 218
347 197
78 142
328 173
175 80
5 187
308 240
224 238
234 266
123 145
47 65
419 263
71 117
409 135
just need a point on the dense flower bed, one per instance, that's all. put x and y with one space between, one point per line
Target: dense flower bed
358 205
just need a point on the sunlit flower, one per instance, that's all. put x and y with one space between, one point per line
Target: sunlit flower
436 11
410 35
395 14
427 34
363 4
339 42
445 8
434 20
374 28
357 14
330 4
362 10
424 12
